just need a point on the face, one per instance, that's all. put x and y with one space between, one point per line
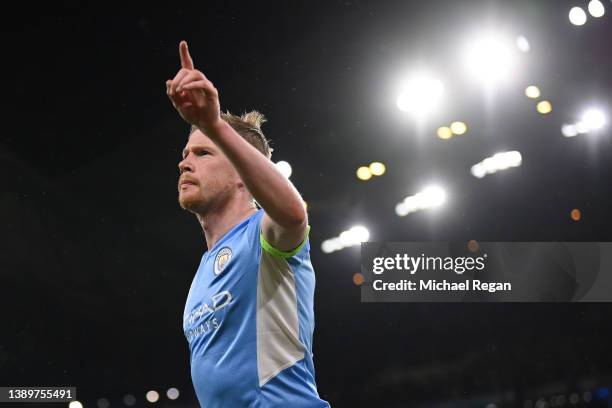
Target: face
208 180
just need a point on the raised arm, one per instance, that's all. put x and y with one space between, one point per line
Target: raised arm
197 101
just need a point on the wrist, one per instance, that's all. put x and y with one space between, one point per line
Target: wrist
212 129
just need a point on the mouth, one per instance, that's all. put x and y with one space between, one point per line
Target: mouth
186 183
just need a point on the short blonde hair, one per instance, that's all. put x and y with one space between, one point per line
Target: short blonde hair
248 125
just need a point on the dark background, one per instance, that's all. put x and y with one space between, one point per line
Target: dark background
96 256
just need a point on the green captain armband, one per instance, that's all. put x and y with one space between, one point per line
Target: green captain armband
277 252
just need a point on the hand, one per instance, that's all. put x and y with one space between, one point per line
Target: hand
193 95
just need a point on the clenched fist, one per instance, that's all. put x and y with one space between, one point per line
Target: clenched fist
193 95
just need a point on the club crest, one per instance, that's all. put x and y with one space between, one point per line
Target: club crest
223 257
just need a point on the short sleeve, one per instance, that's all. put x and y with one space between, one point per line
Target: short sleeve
277 252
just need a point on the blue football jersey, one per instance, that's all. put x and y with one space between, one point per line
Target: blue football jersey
249 322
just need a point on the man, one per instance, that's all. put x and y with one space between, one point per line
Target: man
249 314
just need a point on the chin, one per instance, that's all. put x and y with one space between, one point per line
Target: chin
190 202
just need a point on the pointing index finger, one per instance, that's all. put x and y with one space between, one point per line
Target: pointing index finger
186 61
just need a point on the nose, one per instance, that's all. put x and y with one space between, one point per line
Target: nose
184 165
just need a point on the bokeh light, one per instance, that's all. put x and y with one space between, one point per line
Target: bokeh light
497 162
522 44
172 393
377 168
532 92
577 16
129 400
351 237
431 197
444 133
284 168
103 403
152 396
358 279
364 173
473 246
594 119
458 128
576 214
569 130
596 8
544 107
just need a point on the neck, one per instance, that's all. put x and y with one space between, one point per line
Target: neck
217 223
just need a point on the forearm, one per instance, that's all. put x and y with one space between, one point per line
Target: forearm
273 191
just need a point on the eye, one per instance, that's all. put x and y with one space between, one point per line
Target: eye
202 152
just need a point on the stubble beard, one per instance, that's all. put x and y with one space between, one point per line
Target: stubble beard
194 202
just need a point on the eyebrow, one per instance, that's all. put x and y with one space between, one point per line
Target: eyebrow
186 149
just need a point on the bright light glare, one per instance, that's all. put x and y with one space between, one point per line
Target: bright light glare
544 107
433 196
489 59
444 132
360 234
354 236
495 163
582 128
458 128
75 404
594 119
596 8
152 396
577 16
284 168
328 246
364 173
377 168
522 44
420 95
532 92
430 197
569 130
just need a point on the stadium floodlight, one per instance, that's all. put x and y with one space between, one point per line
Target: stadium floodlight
420 95
596 8
489 59
577 16
569 130
495 163
351 237
431 197
581 128
594 119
